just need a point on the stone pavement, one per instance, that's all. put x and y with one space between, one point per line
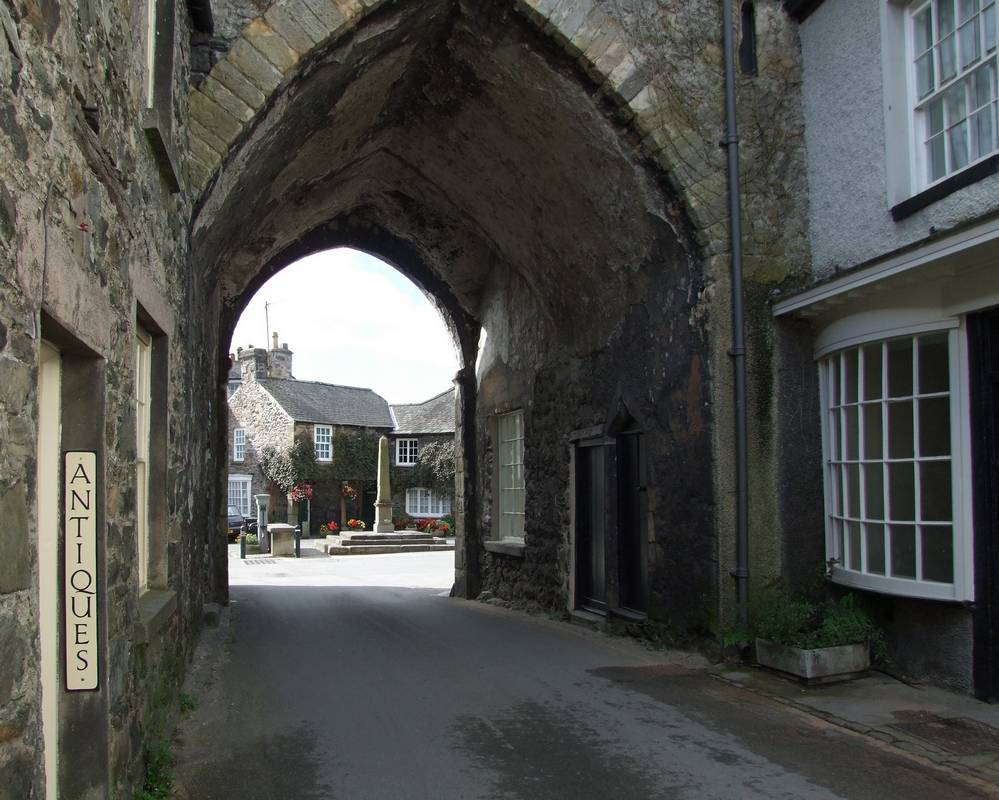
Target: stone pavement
947 729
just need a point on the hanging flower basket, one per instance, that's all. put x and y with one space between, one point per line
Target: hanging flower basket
348 492
300 492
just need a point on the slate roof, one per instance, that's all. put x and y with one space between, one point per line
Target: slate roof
435 415
329 404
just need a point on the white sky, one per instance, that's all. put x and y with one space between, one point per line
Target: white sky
354 320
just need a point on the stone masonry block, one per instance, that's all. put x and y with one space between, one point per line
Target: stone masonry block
203 153
198 175
592 25
569 18
328 13
302 15
225 98
629 81
16 564
258 70
603 38
270 43
540 8
226 73
209 138
352 10
215 118
286 22
611 58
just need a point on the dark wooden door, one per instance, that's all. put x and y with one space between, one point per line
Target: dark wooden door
632 562
983 334
591 512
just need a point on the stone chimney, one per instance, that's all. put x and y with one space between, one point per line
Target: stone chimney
279 360
252 363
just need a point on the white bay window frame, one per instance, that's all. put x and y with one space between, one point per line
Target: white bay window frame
961 588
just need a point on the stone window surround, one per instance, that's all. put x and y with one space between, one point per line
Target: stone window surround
908 190
156 557
502 495
407 452
322 438
158 114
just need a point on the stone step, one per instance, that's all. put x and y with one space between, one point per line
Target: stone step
380 538
383 549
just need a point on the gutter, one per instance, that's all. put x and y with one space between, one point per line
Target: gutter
738 350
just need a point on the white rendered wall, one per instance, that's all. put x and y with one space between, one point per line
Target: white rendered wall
850 189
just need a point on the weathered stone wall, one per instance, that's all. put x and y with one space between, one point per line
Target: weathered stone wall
90 237
267 425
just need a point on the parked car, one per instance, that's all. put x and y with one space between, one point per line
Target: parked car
236 522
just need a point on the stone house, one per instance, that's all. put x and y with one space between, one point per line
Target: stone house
271 409
417 425
899 317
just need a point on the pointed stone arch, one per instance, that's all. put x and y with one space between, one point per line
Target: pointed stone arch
275 47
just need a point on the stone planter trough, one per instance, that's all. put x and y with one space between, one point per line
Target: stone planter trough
815 667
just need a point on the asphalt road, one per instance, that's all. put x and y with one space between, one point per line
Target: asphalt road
357 677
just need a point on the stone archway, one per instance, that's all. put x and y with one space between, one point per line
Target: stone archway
499 155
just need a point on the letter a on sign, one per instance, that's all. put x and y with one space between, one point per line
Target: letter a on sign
80 600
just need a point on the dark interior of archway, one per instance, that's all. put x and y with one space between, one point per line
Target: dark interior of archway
456 141
452 139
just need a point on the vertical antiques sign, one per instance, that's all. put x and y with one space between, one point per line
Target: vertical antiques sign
81 570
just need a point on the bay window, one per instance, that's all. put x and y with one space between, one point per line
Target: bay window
891 437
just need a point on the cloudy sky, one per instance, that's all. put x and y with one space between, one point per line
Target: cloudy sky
354 320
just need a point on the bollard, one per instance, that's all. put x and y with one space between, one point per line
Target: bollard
298 541
242 544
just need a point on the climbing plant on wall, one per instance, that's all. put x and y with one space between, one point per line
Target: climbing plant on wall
296 465
434 468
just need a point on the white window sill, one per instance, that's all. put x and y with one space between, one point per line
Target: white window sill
399 464
507 546
901 587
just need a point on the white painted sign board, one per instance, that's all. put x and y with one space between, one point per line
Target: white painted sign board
81 571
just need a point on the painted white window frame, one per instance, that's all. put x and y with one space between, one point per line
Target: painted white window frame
511 484
239 444
245 508
917 108
322 437
407 452
962 589
422 502
143 401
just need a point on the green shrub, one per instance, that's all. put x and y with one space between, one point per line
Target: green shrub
807 623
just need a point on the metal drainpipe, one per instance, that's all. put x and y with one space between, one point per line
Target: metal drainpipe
738 351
